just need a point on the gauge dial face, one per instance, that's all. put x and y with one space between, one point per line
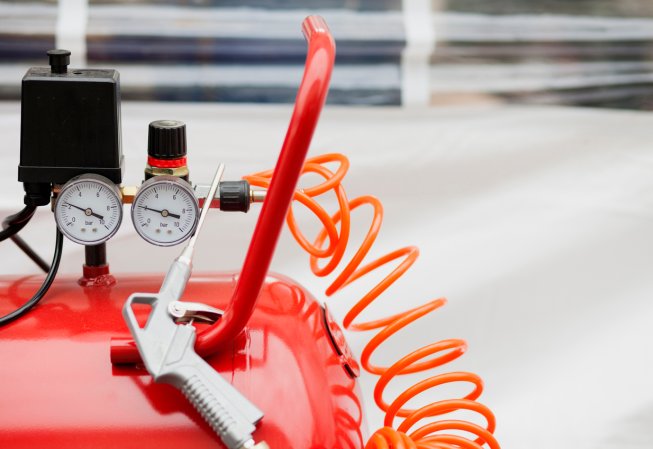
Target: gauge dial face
165 210
88 209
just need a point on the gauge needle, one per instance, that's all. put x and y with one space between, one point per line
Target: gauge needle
88 211
163 212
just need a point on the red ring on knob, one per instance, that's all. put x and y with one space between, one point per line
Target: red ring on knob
166 163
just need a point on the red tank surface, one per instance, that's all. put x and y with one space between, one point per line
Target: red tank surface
58 387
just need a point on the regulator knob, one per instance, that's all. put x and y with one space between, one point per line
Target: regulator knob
166 149
166 140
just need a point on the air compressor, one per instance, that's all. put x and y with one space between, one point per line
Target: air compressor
247 359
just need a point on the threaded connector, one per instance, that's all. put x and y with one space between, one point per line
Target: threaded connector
235 196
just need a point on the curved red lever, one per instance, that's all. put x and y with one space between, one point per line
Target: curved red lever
308 105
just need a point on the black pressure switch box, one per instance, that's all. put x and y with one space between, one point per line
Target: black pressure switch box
70 123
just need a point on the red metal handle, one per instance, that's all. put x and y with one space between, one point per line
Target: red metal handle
308 105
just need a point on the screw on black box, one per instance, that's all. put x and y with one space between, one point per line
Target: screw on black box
59 60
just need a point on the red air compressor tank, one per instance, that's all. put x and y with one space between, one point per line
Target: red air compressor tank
58 388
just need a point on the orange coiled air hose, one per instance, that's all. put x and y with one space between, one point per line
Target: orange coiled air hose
435 434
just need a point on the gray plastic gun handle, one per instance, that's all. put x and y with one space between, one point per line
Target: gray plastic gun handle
167 349
229 413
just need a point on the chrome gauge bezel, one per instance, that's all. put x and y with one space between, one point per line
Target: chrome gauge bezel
162 182
103 186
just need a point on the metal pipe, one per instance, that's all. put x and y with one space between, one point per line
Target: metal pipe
311 97
308 105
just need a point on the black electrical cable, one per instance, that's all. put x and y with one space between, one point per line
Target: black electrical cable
14 223
49 278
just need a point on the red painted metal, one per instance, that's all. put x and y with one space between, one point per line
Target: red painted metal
166 163
308 105
58 389
96 276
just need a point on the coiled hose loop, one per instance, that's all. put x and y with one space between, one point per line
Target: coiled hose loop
435 434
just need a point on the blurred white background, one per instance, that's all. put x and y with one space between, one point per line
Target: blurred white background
534 221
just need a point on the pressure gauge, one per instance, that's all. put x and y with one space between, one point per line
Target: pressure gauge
165 210
88 209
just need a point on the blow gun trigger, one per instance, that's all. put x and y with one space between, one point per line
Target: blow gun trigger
188 312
